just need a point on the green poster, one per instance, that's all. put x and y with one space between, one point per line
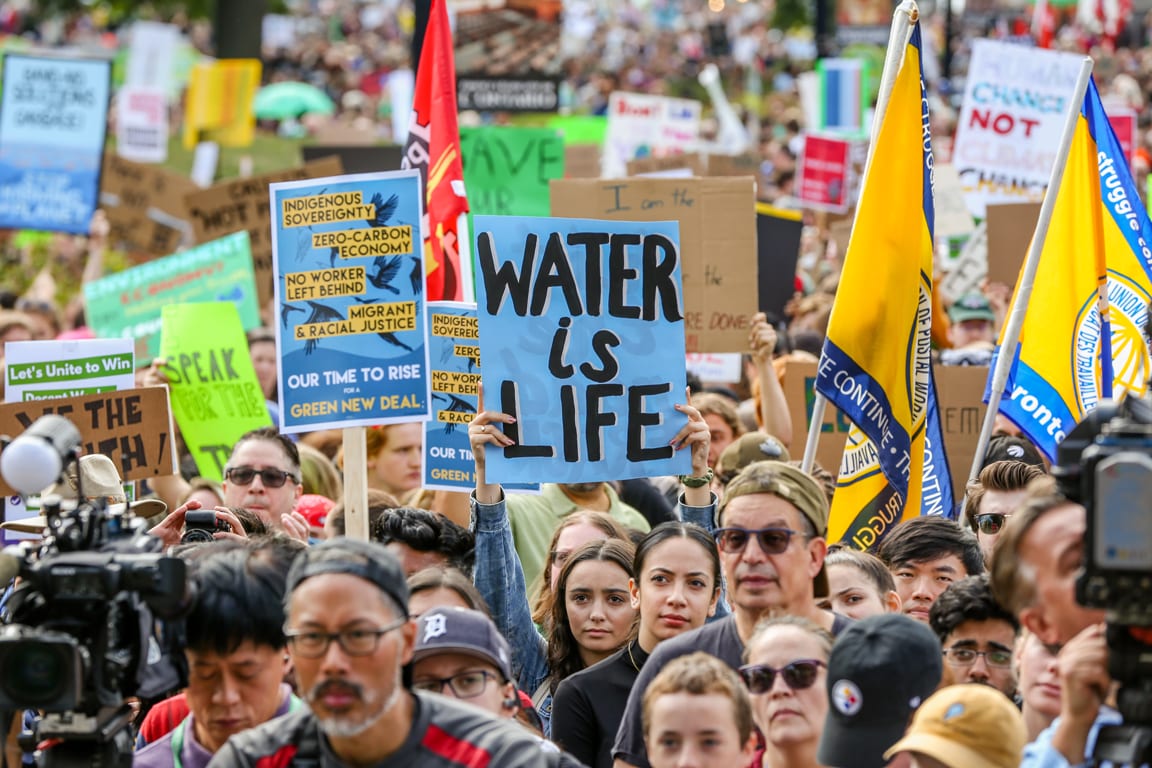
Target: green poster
127 304
580 129
507 170
215 395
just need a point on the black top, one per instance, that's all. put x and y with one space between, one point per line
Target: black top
645 498
589 705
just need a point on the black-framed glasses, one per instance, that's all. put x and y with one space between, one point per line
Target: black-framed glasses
991 523
310 644
798 675
271 478
966 657
465 685
772 540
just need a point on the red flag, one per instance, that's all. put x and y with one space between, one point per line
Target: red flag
433 148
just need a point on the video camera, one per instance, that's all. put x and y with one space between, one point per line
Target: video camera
91 621
1105 464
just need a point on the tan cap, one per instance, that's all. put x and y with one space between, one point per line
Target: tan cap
101 481
966 726
749 447
792 485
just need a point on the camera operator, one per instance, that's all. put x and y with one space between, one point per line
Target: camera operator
236 652
262 475
1035 564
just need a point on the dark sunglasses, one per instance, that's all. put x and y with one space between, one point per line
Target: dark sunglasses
991 523
798 675
271 478
772 541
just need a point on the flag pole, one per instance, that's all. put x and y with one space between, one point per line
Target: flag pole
902 20
1007 355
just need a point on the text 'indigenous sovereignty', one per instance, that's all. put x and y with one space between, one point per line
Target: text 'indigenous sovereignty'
582 338
1069 356
876 365
349 282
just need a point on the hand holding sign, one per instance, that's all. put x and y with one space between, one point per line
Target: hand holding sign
481 433
696 434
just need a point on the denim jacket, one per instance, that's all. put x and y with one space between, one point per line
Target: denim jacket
500 580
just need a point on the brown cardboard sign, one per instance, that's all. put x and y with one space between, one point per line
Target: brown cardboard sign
699 163
244 204
145 207
582 161
1010 230
959 394
717 243
133 427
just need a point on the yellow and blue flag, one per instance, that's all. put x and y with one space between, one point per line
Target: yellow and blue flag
876 365
1070 355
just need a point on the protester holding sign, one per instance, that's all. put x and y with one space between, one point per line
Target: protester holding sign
499 575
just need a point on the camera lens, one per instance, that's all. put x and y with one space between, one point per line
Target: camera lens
196 536
36 673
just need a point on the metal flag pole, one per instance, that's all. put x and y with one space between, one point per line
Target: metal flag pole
1019 309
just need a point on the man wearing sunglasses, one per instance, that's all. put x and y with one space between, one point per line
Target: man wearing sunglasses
772 523
977 635
993 497
263 475
350 639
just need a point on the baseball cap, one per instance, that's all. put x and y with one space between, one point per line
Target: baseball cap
790 484
368 560
1012 448
880 670
98 477
971 306
967 726
452 629
315 508
749 447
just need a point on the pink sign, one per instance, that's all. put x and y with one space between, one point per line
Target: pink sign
822 174
1124 124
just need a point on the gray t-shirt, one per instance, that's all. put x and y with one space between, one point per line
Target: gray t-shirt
444 734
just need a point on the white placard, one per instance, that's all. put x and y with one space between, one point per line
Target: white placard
142 124
715 366
640 125
151 54
39 370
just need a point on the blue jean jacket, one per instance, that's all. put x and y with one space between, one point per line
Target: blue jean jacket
500 580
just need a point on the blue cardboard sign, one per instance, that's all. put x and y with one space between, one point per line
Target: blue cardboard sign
349 290
582 337
454 355
53 120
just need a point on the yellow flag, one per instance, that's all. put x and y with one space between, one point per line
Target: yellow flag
876 365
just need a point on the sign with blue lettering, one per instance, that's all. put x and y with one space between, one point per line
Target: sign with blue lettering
582 337
349 292
53 119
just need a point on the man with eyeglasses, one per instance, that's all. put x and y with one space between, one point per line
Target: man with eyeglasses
993 497
977 635
772 523
350 639
460 653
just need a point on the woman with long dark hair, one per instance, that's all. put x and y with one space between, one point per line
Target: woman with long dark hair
675 587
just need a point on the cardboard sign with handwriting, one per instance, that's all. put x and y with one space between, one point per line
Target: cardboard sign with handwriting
243 204
145 207
959 392
133 427
717 238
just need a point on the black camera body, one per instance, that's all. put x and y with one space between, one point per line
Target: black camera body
91 623
1105 464
200 524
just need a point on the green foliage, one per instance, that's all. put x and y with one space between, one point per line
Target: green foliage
791 14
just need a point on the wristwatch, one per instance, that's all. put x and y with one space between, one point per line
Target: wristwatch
697 482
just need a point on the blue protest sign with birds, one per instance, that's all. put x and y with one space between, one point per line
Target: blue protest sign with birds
349 268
